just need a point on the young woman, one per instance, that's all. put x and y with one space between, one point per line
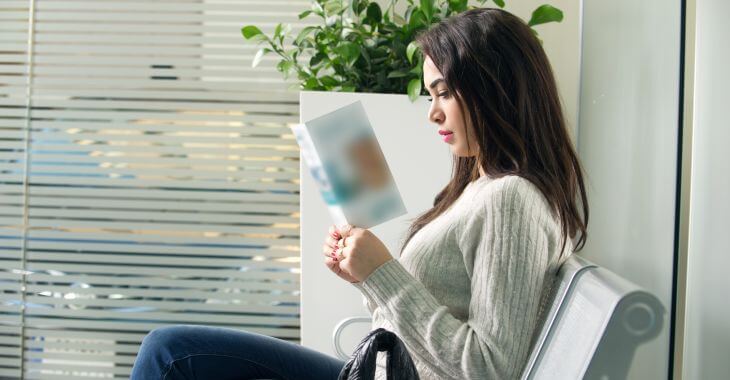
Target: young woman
467 293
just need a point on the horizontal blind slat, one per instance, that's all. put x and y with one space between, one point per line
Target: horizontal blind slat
130 322
140 116
126 270
251 286
37 180
251 7
272 84
177 194
147 104
141 259
150 204
113 306
229 172
179 128
104 152
59 138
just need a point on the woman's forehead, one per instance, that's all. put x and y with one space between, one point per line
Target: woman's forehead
430 71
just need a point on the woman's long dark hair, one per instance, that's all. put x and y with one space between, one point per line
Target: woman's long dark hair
495 67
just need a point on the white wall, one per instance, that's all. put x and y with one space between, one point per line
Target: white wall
627 141
707 334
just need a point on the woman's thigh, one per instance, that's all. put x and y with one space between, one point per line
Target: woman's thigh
206 352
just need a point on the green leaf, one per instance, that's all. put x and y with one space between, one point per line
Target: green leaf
417 20
330 21
500 3
369 43
333 7
427 8
259 55
250 31
349 51
544 14
316 8
329 81
374 13
317 58
365 56
287 65
311 83
284 67
304 14
348 89
363 5
397 74
414 89
277 30
303 34
412 47
458 6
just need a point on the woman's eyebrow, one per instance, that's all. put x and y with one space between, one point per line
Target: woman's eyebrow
435 82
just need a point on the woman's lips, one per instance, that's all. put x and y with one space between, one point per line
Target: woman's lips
447 137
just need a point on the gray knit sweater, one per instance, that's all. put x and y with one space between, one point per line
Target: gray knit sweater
469 290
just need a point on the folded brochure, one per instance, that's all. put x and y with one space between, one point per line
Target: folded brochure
344 158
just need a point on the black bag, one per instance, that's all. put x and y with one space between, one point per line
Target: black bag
361 365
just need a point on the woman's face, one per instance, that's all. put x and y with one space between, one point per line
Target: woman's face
445 112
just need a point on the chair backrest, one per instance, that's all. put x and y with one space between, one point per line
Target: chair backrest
594 324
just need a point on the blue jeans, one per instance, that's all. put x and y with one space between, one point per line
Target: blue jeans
216 353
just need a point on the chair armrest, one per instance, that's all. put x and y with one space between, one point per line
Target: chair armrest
338 331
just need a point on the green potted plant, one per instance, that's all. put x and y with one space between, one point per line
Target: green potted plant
360 47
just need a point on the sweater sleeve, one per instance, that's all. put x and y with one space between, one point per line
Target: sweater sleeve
367 301
505 248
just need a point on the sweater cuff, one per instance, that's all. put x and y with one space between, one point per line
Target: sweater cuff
359 287
385 282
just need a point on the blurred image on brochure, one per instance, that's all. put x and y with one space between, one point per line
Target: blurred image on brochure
346 162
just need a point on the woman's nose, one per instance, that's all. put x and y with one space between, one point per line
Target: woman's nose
435 115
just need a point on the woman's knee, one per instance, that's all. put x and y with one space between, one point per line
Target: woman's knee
163 339
158 349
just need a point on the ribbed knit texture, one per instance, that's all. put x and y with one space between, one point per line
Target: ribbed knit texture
467 294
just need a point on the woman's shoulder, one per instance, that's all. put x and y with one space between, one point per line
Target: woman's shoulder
508 184
510 192
504 200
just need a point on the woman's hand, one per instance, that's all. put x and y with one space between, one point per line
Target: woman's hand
363 252
330 252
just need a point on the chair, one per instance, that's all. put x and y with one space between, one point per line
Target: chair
596 321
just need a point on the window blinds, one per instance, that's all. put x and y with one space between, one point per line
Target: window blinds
148 177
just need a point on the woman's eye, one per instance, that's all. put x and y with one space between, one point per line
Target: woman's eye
445 94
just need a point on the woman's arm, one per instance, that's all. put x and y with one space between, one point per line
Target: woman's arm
367 301
507 242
